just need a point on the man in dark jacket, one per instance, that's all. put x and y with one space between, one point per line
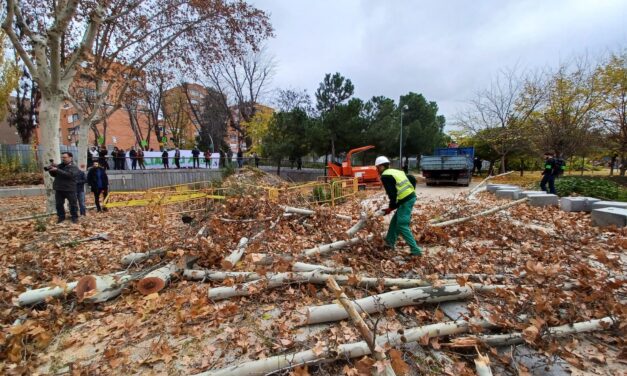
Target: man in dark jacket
177 158
80 190
99 182
196 157
548 175
133 155
64 186
400 189
165 159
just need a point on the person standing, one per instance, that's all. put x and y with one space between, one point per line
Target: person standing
477 166
102 157
122 159
299 163
140 158
400 189
133 155
80 190
164 159
256 158
64 186
195 157
207 156
548 175
177 158
114 156
99 182
240 158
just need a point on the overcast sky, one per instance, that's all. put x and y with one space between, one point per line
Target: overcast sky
446 50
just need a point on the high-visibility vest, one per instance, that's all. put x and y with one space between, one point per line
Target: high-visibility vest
403 186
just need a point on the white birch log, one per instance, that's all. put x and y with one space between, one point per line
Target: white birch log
210 275
358 226
482 365
556 331
360 324
394 299
304 267
301 211
476 187
249 288
326 248
480 214
98 289
39 295
344 351
139 257
157 279
229 261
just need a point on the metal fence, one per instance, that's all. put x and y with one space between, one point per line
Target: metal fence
24 156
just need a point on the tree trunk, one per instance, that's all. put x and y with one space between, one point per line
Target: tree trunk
49 142
394 299
344 351
486 212
502 169
39 295
139 257
83 141
289 209
156 280
360 324
304 267
229 262
98 289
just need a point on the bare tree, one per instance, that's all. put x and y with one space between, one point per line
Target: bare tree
499 115
23 114
244 79
55 39
287 100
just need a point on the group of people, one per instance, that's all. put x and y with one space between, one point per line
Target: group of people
135 154
69 185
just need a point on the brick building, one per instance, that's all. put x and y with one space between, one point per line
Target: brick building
180 122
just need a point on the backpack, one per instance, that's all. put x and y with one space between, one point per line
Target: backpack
560 166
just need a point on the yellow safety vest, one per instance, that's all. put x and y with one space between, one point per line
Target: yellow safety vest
403 186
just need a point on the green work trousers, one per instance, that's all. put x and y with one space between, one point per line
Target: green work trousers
400 224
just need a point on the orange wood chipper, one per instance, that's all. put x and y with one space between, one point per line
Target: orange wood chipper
367 175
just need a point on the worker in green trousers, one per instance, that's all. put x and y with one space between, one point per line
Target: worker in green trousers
400 189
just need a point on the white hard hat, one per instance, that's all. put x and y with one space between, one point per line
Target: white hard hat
381 160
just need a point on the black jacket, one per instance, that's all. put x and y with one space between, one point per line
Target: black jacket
92 179
390 188
80 181
65 177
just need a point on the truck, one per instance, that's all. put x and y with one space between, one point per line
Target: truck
448 165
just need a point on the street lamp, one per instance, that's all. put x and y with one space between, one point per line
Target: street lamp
400 142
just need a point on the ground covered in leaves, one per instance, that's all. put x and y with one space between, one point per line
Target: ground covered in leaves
533 252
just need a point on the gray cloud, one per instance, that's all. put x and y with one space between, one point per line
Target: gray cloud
446 50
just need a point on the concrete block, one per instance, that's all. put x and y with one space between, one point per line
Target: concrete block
510 194
609 204
577 204
523 194
544 200
494 187
609 216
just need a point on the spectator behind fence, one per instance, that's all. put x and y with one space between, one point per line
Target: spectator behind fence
122 159
99 182
102 157
64 186
165 159
195 157
140 158
207 156
80 190
256 158
177 158
240 158
133 155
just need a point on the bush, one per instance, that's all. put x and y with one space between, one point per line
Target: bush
590 186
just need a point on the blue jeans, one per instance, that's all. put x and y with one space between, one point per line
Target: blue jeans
81 202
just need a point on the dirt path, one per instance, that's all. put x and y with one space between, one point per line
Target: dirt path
440 192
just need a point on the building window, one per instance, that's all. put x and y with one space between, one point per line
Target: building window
194 93
72 118
89 94
194 101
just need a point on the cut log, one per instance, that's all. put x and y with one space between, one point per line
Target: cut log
209 275
360 324
394 299
157 279
358 226
98 289
304 267
517 338
480 214
273 280
40 295
326 248
482 365
139 257
344 351
229 261
289 209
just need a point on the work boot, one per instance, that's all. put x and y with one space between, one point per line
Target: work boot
416 252
387 246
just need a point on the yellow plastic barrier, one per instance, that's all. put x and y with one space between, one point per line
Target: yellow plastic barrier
316 192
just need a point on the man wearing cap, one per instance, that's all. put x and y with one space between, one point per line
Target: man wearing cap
400 189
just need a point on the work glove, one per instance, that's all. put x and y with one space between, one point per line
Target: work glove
387 211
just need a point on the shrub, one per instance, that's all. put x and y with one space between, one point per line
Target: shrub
590 186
